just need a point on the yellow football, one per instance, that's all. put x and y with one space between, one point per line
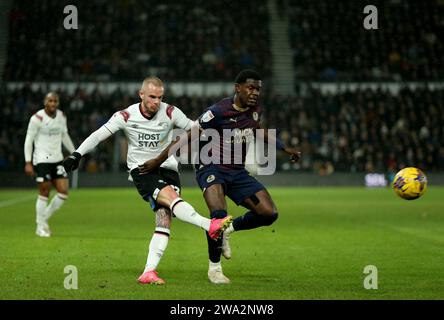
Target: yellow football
410 183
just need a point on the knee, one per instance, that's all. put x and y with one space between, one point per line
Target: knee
44 192
62 195
269 219
44 188
63 192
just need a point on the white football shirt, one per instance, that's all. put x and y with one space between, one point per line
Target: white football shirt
148 137
47 134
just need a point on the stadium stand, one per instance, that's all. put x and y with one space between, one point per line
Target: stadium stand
330 43
207 35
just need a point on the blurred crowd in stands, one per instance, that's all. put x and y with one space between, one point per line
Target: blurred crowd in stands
198 40
353 131
330 43
210 40
128 39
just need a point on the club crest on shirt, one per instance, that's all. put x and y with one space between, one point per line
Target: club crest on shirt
255 116
211 178
207 116
164 125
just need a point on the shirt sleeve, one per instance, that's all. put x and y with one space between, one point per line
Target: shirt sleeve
210 118
180 120
93 140
114 124
66 139
33 128
117 121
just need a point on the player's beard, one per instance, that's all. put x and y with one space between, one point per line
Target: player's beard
149 111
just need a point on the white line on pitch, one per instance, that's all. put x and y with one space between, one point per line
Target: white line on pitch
11 202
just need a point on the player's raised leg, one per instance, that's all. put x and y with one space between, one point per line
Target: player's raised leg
184 211
263 212
158 245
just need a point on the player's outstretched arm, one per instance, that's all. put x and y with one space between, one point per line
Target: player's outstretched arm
152 164
292 152
187 137
72 162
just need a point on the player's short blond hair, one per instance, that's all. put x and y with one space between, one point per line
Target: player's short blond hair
153 80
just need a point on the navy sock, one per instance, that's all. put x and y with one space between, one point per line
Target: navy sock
215 247
252 220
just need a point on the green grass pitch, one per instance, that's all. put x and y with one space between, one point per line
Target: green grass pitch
317 249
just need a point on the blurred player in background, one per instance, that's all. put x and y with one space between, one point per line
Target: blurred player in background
148 127
240 113
47 131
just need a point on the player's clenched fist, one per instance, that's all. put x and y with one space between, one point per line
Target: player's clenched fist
72 162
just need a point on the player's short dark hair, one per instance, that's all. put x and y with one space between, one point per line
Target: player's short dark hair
247 74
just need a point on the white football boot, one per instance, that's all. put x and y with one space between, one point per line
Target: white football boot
43 230
216 276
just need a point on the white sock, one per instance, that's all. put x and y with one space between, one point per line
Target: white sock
158 245
215 265
185 212
230 229
40 207
55 204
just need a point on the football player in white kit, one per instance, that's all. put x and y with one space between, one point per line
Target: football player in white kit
47 131
148 128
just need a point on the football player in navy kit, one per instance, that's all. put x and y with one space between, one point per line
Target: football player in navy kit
219 180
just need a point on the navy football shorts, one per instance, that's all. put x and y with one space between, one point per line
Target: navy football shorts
238 184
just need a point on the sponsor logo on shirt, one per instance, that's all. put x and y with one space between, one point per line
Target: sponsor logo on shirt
149 140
